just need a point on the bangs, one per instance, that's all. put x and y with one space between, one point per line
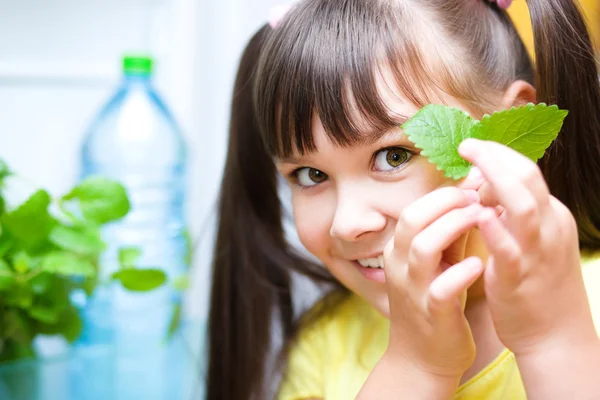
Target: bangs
327 60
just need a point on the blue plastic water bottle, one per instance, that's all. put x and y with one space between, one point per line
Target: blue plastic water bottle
136 141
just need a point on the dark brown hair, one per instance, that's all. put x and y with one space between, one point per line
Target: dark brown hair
324 60
251 284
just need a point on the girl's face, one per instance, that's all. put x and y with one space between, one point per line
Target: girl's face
347 201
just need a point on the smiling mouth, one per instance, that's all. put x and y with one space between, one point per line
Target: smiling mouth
376 262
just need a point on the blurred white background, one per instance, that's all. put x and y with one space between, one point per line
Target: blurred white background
60 60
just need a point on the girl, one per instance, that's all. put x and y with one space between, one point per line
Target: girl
424 271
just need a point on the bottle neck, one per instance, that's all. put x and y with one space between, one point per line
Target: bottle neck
136 78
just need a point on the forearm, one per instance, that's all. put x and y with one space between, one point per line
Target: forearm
395 379
563 372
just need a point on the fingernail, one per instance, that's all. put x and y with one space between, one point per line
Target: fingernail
475 174
472 196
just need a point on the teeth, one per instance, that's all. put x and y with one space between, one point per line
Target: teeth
372 262
364 263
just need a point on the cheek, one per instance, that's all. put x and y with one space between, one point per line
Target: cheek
423 179
313 216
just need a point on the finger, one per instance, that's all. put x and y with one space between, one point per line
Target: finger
473 180
500 164
516 182
476 181
445 290
426 249
501 245
418 215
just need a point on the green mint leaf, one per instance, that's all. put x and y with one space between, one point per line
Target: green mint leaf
22 262
101 200
20 296
42 283
71 325
181 283
43 314
14 351
30 223
67 264
86 242
529 129
438 130
68 324
128 256
7 277
18 327
175 321
140 280
5 172
6 244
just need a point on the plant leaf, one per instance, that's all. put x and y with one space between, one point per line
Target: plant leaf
30 223
101 200
20 296
22 262
438 130
128 256
18 327
6 244
181 283
78 240
140 280
67 264
7 278
5 172
529 129
42 283
71 324
175 322
43 314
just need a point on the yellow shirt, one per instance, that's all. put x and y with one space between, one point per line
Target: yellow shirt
333 358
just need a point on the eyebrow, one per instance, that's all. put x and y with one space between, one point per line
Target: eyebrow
290 159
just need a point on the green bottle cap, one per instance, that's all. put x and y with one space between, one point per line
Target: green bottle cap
137 65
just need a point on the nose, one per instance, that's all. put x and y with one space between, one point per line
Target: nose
355 216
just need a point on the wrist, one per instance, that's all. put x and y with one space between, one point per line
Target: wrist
432 382
561 369
577 339
551 351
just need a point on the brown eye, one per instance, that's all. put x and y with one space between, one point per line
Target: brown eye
392 158
307 177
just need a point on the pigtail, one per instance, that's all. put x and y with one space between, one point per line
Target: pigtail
567 75
251 278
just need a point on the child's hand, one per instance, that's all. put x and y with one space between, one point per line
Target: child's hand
533 277
428 326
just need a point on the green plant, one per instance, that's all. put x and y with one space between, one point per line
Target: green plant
438 130
50 248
